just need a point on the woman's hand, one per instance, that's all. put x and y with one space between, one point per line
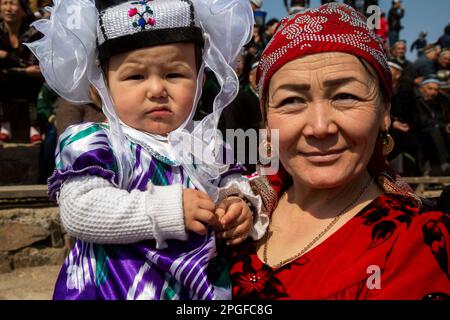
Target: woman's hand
33 71
235 220
3 54
198 211
404 127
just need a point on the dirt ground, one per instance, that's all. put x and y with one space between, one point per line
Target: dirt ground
29 283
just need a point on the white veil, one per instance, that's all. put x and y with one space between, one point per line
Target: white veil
68 59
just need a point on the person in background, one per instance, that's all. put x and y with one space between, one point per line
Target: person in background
396 13
420 43
20 76
444 40
257 44
271 26
46 119
42 12
256 4
295 6
433 123
405 157
442 65
398 53
383 31
424 65
244 114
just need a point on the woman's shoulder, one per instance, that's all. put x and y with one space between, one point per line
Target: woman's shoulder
413 225
419 237
401 211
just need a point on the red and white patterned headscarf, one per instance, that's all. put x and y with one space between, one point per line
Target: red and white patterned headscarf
332 27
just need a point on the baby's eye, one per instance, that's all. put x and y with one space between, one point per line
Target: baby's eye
135 77
346 96
174 75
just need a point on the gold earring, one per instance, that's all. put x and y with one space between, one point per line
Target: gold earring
265 150
388 143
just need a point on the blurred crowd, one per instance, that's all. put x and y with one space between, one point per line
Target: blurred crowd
30 112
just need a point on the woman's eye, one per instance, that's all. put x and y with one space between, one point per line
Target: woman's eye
135 77
346 96
292 100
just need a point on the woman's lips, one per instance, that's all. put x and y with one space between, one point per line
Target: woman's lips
323 157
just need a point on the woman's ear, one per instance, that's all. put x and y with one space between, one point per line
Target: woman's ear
386 116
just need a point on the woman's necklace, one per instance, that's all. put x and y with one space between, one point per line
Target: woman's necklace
318 237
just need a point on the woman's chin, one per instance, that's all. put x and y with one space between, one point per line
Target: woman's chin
321 178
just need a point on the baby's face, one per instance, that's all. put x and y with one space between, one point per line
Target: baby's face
153 88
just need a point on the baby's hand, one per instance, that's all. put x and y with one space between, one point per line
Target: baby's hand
234 220
198 211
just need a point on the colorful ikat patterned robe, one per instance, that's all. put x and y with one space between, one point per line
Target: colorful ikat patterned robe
184 270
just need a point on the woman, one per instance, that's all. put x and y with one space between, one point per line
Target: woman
343 227
20 77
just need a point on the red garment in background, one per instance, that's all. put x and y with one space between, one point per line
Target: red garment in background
410 246
383 32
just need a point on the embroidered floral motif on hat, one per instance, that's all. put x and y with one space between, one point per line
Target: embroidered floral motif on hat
145 18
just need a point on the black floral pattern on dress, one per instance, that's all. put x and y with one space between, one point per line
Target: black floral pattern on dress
433 232
386 214
257 284
256 281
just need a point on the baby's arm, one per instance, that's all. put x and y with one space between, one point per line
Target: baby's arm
93 210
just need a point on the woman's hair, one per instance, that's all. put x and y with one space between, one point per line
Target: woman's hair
29 16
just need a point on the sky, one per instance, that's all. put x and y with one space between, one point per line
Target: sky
431 16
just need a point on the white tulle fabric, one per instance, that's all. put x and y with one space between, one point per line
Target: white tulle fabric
67 54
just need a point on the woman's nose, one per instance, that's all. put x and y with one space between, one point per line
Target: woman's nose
319 120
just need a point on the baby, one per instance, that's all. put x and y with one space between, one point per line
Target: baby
141 216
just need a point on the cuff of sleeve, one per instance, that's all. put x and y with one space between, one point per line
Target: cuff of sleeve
240 186
164 204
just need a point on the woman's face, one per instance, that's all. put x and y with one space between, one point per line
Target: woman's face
329 111
11 11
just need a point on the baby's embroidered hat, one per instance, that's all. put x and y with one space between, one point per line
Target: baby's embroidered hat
130 25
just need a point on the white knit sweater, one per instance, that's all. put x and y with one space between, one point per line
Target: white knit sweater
93 210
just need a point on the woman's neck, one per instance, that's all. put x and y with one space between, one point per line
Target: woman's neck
326 203
13 28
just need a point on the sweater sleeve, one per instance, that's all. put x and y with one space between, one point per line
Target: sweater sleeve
93 210
239 185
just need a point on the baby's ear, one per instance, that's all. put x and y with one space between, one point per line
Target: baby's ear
95 97
204 79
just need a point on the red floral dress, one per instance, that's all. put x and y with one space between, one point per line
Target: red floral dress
391 250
